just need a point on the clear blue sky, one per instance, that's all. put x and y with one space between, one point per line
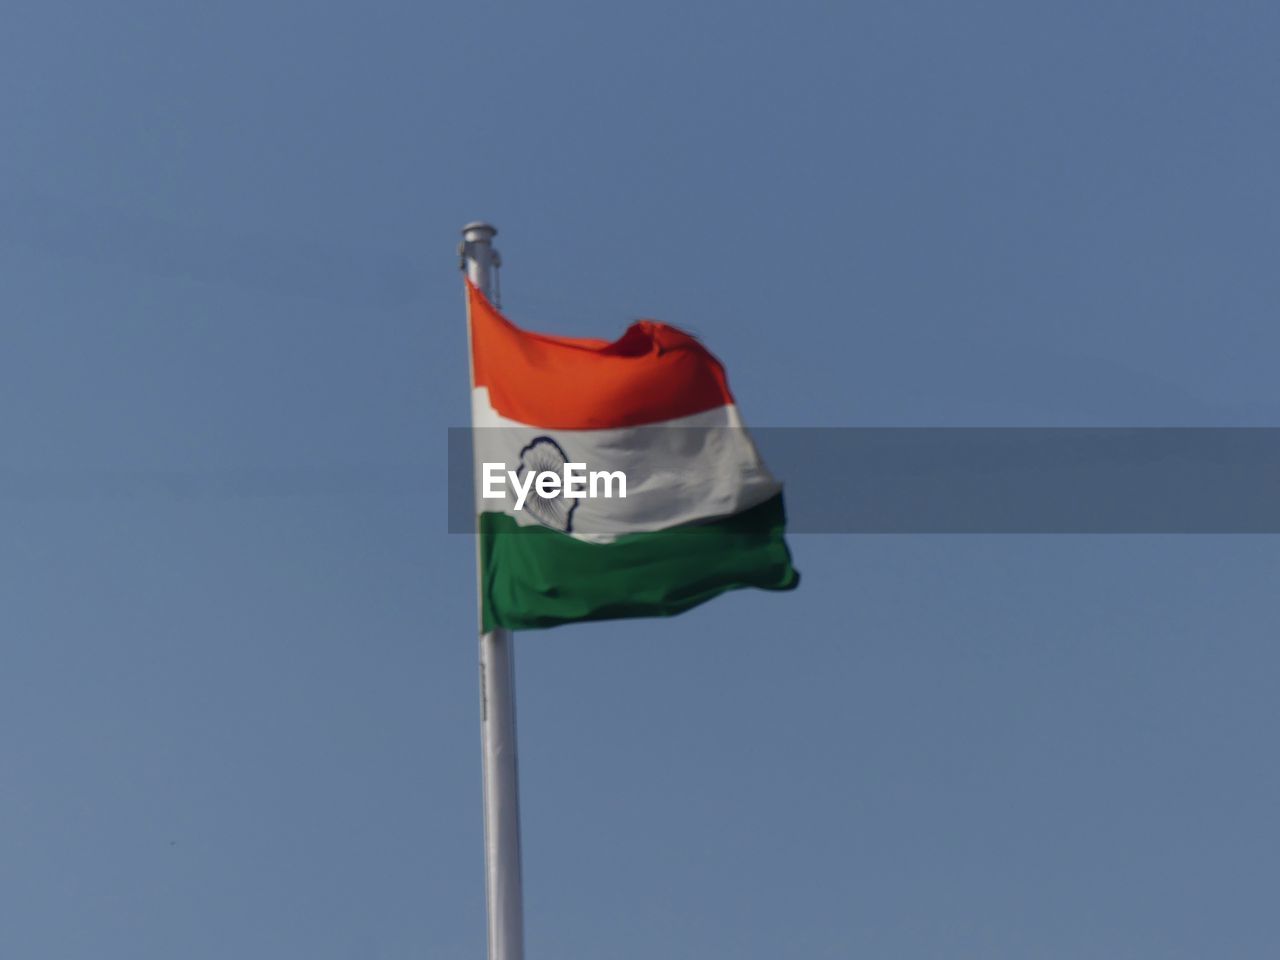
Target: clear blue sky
238 707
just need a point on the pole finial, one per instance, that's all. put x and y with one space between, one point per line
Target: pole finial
479 230
479 259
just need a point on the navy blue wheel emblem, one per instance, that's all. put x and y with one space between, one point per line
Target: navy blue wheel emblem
543 453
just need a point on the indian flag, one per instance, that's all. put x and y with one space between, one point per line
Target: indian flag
701 514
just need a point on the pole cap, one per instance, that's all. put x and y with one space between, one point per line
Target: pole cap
479 230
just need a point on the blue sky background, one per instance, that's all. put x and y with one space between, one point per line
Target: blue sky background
238 705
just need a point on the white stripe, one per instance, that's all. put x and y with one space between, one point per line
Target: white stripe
678 471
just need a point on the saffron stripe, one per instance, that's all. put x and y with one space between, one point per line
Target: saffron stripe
652 373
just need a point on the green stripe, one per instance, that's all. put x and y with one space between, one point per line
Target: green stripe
538 577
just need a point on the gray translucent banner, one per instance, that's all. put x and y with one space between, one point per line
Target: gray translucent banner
998 480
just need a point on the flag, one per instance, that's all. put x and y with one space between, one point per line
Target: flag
651 416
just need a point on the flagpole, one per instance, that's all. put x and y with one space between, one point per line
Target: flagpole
503 888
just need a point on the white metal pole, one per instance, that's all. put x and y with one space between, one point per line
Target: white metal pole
503 887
